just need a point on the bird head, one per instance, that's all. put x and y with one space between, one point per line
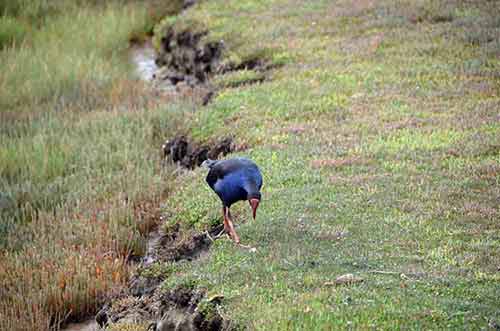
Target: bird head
208 163
254 203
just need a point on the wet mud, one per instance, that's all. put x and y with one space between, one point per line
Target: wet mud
189 154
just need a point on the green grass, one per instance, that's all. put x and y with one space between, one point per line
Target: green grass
12 31
237 78
379 159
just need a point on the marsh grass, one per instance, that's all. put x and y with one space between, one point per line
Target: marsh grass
80 173
83 200
83 66
11 31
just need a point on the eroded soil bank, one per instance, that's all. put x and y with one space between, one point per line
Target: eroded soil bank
147 303
190 155
183 72
186 68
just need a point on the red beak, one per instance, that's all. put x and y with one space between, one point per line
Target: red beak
255 204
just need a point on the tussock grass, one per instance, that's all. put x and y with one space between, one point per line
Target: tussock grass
89 196
80 175
11 31
84 66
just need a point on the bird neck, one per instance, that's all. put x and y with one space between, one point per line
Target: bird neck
252 191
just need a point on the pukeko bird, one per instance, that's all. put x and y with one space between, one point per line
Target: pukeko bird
234 180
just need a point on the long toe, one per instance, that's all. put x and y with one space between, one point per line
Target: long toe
235 237
220 234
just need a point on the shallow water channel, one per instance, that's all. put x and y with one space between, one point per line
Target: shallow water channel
143 59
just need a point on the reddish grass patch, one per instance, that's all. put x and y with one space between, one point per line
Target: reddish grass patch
74 260
296 129
338 163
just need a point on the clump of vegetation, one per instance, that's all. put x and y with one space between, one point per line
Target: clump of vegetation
11 31
79 168
238 78
176 283
157 270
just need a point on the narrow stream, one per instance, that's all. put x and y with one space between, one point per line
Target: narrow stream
143 58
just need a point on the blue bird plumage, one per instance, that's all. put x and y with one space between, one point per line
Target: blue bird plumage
234 180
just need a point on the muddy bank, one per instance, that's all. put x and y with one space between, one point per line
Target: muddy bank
145 302
164 247
189 154
188 60
183 67
167 85
183 308
187 57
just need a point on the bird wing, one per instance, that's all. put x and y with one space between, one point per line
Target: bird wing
225 167
220 169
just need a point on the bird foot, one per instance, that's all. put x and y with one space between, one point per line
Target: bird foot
217 236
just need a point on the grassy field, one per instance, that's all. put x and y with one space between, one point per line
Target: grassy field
377 130
379 139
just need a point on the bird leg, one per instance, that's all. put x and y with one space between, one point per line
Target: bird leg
226 225
229 227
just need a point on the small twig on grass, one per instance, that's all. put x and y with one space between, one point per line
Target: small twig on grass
250 248
216 236
384 272
400 274
209 236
